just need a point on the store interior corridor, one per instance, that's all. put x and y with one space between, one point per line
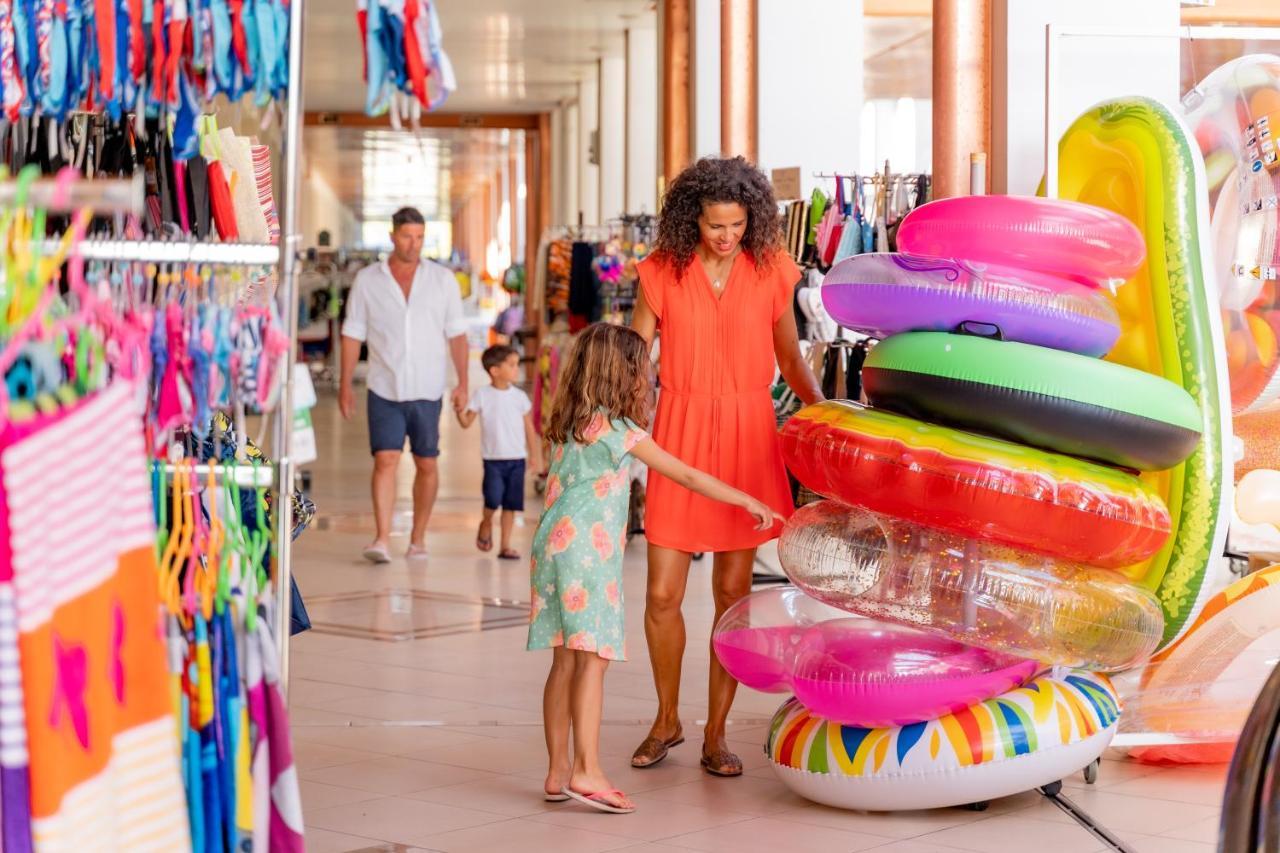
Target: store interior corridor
416 712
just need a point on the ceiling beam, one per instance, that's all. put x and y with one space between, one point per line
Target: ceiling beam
897 8
496 121
1234 11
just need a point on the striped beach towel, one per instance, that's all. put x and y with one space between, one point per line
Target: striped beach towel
76 519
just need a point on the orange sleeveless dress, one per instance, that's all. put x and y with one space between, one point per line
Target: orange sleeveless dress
715 409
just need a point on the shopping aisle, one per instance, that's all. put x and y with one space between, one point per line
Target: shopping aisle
435 742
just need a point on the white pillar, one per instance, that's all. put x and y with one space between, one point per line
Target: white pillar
1090 68
612 122
810 79
588 171
642 120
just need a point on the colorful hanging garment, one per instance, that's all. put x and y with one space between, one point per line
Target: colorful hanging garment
77 519
15 789
10 77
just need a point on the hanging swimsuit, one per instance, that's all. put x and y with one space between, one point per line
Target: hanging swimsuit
177 22
10 77
415 62
220 17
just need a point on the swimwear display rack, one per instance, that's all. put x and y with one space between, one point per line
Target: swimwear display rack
126 196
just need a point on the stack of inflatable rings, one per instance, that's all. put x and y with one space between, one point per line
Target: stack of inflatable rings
1002 458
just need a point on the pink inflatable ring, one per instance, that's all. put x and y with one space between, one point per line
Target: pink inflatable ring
857 672
1063 238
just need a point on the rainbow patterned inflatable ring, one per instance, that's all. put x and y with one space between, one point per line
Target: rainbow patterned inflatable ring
1062 238
1058 401
884 294
1023 739
974 485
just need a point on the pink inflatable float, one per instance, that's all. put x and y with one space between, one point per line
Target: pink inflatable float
853 671
1064 238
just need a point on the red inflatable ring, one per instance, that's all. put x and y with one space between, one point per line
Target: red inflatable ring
976 486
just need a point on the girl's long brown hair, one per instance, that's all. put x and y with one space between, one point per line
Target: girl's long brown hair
607 371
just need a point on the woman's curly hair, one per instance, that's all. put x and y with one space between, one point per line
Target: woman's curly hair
717 180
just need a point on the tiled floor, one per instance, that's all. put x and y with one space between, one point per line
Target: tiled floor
435 742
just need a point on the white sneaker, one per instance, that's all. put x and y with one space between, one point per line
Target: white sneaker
377 553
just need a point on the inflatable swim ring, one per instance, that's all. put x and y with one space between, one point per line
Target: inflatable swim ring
974 592
1233 111
1133 156
1062 238
1055 400
1018 741
1204 685
975 486
884 294
858 671
761 636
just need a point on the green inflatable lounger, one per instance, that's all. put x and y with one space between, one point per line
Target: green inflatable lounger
1045 398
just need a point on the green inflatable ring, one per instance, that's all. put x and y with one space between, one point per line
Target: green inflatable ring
1055 400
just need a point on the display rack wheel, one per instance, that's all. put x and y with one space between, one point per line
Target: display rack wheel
1091 772
979 806
1052 790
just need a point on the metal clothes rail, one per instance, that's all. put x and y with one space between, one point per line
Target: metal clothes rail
165 252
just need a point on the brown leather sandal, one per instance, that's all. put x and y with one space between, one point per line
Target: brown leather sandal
653 749
722 763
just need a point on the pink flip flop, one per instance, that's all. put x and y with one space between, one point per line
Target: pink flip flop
598 802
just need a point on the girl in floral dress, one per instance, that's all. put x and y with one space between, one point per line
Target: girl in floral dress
596 423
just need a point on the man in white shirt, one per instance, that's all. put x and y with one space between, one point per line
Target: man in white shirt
408 311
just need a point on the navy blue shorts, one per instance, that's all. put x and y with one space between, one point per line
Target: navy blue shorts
390 423
504 484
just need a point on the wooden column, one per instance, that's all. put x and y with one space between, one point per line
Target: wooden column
675 113
961 91
738 86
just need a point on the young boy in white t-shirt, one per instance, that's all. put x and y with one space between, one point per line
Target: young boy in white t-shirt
507 440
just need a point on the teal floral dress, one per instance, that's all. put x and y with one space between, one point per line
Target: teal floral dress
576 596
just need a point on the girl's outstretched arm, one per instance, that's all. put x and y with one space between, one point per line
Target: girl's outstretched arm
702 483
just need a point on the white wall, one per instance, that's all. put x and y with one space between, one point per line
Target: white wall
1089 69
323 211
814 125
642 121
613 121
588 175
705 47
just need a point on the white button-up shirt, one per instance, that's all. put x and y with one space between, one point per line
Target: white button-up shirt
408 341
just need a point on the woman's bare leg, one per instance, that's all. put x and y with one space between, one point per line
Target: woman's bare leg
730 582
664 631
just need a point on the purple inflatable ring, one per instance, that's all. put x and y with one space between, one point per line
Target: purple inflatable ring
885 294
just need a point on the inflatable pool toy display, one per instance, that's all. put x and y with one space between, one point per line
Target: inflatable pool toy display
969 590
759 639
884 294
1079 241
1235 111
1058 401
1204 686
857 671
1134 157
974 485
1018 741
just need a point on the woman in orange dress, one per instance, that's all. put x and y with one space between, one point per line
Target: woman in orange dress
718 288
